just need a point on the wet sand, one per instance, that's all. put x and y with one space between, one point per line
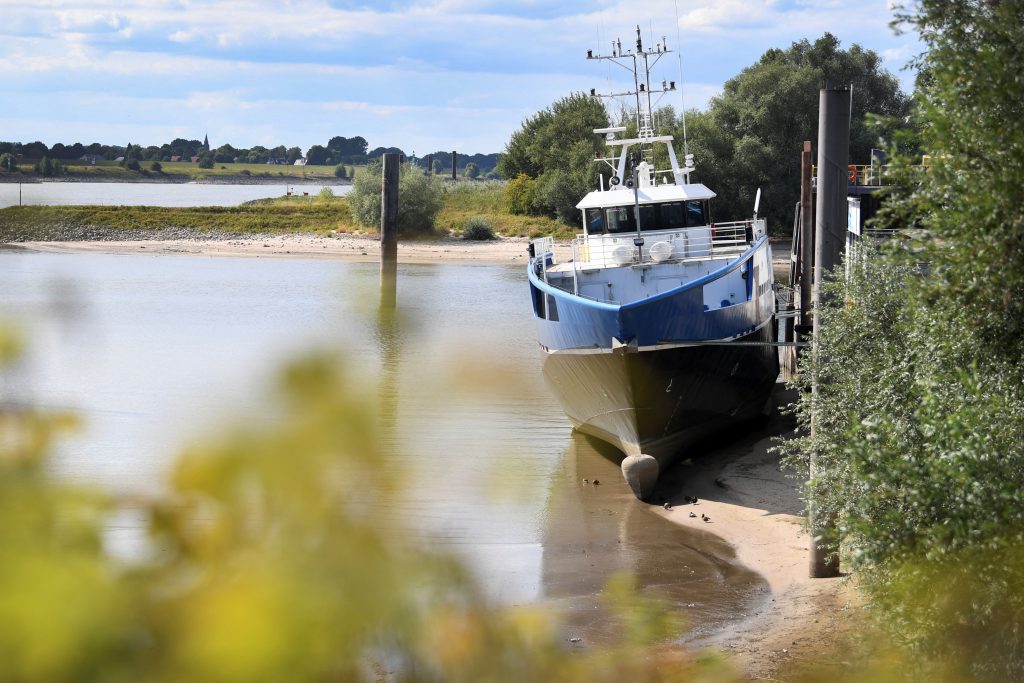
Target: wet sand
755 507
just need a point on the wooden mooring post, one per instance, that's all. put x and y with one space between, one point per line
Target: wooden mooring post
389 231
830 236
454 159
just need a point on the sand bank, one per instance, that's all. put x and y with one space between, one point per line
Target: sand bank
354 247
755 506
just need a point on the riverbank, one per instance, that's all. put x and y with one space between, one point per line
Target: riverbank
347 246
755 506
352 247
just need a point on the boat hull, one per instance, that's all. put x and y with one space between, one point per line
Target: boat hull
654 375
657 402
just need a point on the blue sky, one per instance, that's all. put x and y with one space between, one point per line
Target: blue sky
421 75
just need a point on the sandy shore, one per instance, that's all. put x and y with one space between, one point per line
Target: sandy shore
752 504
755 506
354 247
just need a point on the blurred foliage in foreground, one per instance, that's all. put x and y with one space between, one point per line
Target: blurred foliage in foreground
919 414
265 563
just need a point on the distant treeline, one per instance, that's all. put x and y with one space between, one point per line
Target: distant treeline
338 150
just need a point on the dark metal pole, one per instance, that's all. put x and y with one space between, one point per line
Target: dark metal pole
806 237
430 164
389 231
454 159
831 219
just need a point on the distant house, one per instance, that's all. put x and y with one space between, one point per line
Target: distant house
194 159
119 159
299 162
91 158
176 158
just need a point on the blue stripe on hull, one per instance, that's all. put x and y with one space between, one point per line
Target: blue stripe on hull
674 316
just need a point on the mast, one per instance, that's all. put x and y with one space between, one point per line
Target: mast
639 64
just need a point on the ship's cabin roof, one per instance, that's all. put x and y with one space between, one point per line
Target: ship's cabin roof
649 194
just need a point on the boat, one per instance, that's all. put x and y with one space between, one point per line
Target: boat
659 330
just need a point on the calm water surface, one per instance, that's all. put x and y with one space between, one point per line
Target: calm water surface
155 351
149 194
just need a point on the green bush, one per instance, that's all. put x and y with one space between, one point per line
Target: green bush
520 194
478 228
206 161
7 161
156 167
419 199
326 194
339 171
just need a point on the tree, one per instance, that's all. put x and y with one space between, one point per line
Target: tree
316 155
206 160
751 134
49 167
418 203
472 170
225 154
156 166
7 161
339 171
34 150
556 147
436 166
293 154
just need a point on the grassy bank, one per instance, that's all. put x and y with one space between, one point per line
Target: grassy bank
180 171
463 201
285 215
316 214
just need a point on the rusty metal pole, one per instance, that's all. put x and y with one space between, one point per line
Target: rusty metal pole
389 231
831 220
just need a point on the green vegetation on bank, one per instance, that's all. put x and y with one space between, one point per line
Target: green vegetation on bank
455 204
918 419
285 215
178 171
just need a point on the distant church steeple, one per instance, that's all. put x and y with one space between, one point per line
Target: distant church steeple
206 142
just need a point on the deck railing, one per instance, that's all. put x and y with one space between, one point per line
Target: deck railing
690 244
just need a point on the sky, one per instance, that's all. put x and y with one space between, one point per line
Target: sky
423 75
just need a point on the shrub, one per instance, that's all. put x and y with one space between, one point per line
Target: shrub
339 171
206 161
520 193
478 228
419 199
245 171
133 165
7 161
156 167
326 194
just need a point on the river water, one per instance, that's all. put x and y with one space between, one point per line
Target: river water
148 194
155 351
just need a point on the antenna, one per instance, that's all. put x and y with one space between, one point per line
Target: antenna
682 100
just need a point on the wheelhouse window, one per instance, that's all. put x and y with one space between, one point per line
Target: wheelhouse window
696 213
620 219
661 216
